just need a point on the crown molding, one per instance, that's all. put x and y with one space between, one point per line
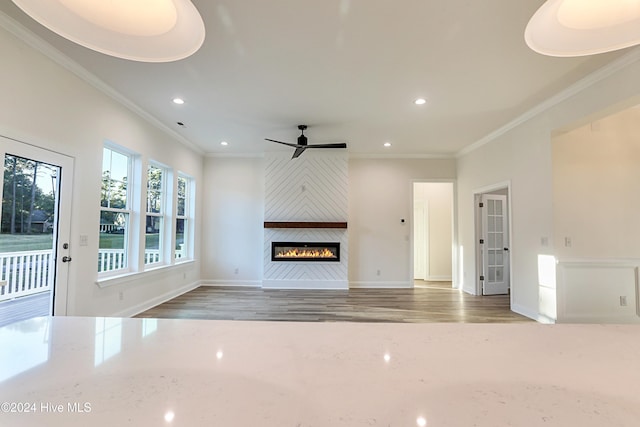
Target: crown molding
37 43
350 155
235 155
582 84
401 156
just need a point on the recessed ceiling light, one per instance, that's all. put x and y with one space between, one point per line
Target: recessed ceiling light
178 101
138 30
420 101
387 144
225 143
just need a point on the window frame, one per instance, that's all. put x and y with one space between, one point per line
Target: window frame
164 212
187 217
127 210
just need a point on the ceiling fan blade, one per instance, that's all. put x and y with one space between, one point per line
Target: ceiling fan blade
298 151
334 145
284 143
302 145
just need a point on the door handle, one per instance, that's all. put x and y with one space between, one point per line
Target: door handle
506 249
66 259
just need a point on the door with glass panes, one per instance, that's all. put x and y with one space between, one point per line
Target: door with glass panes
35 247
494 245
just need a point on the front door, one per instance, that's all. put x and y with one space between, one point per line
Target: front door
494 245
34 231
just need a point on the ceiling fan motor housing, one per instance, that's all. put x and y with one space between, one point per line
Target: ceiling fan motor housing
302 140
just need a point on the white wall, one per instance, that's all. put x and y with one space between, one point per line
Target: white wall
522 155
46 105
437 198
596 188
596 205
232 229
380 196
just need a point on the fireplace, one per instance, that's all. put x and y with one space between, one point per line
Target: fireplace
305 251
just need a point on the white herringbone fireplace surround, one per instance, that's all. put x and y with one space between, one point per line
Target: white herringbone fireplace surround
311 188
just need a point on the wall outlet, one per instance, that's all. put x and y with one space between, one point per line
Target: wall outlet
3 283
121 295
84 240
377 272
623 300
236 271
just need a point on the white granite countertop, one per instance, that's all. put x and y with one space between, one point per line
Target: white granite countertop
68 371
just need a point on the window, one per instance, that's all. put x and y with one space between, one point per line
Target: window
183 222
154 231
115 211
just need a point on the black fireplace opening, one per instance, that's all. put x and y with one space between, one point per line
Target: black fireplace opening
305 251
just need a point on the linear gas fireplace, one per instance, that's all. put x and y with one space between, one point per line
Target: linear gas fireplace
305 251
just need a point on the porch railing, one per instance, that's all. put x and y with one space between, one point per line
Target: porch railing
24 273
27 273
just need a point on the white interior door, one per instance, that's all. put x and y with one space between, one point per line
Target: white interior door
420 241
42 218
494 245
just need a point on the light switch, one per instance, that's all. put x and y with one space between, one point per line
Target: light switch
84 240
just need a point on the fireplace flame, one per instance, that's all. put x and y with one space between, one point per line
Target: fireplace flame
306 253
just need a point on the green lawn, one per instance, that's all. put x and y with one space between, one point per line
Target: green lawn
36 242
25 242
116 241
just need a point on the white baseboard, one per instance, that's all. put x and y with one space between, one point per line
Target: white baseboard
439 279
139 308
306 284
381 285
534 315
233 283
612 319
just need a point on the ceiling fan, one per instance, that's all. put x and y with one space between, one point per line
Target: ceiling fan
302 143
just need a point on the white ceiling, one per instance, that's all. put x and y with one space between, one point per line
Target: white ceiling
350 69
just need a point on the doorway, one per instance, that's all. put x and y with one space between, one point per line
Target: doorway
492 240
34 231
433 231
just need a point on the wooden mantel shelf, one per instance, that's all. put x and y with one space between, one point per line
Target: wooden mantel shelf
284 224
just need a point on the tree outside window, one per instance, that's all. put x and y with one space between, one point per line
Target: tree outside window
115 211
182 250
154 236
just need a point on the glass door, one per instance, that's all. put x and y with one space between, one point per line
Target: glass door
34 232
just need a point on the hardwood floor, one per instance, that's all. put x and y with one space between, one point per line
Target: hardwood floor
427 302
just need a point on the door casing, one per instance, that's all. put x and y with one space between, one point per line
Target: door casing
477 196
62 233
455 266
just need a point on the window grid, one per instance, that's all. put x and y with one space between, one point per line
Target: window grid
115 212
182 236
154 230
